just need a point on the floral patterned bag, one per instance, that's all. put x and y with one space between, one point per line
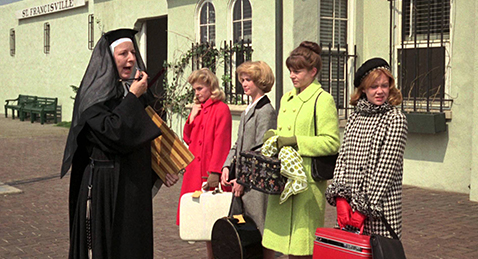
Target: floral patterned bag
260 172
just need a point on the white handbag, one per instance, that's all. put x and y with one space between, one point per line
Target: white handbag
197 215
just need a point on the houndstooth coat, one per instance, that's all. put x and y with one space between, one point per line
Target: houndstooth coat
369 168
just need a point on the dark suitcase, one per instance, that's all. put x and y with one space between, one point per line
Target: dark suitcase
332 243
233 240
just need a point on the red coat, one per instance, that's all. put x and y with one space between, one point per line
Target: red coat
209 139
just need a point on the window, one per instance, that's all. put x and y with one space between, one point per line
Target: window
422 53
91 31
207 23
333 22
46 38
206 55
333 40
422 17
242 21
12 42
422 72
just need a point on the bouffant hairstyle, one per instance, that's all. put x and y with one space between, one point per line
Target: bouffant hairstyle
260 73
306 55
205 76
394 95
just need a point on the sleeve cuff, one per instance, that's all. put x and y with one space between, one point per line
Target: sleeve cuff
361 202
337 190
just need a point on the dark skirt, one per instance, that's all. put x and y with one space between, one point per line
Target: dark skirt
120 227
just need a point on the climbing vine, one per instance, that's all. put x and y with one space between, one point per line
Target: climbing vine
177 93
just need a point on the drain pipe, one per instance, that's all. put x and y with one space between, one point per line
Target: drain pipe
279 53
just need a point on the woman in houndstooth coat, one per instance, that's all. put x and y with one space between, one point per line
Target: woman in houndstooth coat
367 181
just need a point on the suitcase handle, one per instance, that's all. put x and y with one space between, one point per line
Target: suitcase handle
354 230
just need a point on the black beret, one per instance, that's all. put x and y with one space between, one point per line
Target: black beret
367 67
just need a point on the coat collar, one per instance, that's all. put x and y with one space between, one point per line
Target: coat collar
308 93
208 103
263 101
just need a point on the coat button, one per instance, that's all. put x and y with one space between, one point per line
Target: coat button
279 128
283 110
289 127
199 159
200 143
293 110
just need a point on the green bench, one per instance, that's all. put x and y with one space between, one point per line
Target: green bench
18 104
42 106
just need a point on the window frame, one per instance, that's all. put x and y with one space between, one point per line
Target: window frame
12 42
244 50
91 31
346 53
401 43
208 24
46 37
241 21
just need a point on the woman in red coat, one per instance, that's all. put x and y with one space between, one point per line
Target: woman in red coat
208 135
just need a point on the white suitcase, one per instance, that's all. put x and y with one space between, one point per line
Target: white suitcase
198 215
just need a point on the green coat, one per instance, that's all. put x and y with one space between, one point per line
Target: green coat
290 227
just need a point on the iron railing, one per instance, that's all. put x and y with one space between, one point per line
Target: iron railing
335 74
230 56
422 54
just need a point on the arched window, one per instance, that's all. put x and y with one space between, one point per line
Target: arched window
207 23
242 21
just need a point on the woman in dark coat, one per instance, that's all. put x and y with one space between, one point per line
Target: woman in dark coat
367 180
109 151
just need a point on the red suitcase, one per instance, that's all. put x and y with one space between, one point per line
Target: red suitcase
332 243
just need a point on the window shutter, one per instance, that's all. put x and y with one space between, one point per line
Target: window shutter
420 15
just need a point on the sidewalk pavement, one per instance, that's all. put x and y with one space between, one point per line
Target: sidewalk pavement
34 219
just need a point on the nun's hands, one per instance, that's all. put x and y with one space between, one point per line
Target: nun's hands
139 87
171 179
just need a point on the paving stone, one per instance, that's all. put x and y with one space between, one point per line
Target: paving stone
34 223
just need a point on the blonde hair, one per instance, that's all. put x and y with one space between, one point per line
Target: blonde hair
394 95
205 76
260 73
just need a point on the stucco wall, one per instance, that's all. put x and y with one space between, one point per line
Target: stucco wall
33 72
474 113
443 161
36 73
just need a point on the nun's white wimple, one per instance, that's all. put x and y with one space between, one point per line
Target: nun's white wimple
118 42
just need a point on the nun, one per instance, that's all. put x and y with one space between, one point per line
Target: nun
109 152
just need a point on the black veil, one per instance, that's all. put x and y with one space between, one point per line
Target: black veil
100 83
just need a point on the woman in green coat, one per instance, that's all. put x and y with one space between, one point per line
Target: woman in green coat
290 226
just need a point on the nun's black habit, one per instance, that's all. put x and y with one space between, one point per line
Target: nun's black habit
109 148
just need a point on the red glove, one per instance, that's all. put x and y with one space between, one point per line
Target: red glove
357 220
344 212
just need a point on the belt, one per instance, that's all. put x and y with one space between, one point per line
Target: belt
102 163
